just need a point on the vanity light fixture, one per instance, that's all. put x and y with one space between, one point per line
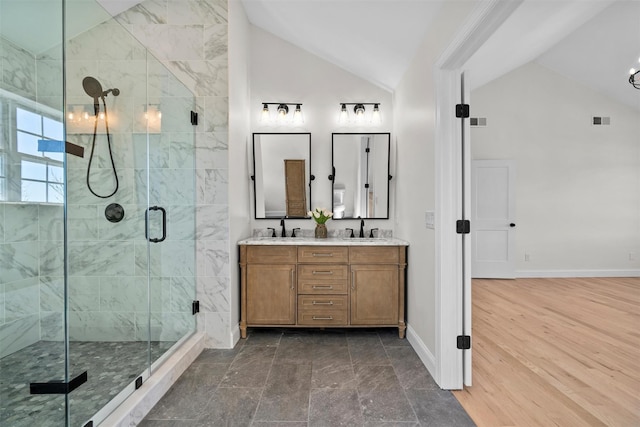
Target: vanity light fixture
282 113
634 77
359 111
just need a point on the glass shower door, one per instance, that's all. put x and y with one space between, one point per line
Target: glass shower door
32 303
171 211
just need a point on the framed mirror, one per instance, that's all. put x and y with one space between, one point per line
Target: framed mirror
360 175
282 175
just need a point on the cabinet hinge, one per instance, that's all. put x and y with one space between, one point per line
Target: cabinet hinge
194 118
463 226
195 307
464 342
462 111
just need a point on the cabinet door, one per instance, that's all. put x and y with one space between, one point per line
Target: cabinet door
374 295
271 294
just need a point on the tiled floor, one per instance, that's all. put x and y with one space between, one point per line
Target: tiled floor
110 367
309 378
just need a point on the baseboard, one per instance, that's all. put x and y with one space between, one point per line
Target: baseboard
235 335
576 273
423 352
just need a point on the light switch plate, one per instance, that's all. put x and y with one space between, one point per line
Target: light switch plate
430 220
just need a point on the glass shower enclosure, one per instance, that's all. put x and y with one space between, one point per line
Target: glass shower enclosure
97 218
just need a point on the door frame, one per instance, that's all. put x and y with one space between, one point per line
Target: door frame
450 312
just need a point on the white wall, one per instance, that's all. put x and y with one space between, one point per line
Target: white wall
282 72
239 139
414 110
578 185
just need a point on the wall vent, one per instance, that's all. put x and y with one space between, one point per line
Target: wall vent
601 121
478 121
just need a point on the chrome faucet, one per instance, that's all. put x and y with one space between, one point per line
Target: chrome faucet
284 230
361 227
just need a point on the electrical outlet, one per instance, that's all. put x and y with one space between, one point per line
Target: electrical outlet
527 257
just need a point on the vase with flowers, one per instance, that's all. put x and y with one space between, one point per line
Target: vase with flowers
320 216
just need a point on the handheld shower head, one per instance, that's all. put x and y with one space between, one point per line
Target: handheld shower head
93 88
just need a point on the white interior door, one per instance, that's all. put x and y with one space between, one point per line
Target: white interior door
492 219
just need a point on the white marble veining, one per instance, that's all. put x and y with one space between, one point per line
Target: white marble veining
21 222
19 334
331 241
196 12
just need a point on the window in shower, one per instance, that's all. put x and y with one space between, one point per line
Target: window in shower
41 174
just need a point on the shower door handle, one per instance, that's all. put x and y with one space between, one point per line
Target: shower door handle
164 224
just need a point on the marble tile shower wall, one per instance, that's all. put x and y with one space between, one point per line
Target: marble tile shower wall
21 249
190 38
108 262
30 241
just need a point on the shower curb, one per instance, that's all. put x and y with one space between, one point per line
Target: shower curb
133 410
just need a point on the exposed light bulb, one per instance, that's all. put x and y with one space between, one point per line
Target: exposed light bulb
359 110
101 115
70 116
85 115
298 119
344 115
283 110
376 119
265 116
632 71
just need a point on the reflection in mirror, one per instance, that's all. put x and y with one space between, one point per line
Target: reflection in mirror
282 173
360 175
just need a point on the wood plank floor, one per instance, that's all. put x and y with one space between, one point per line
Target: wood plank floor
555 352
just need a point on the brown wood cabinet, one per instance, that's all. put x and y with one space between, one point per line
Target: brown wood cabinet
322 286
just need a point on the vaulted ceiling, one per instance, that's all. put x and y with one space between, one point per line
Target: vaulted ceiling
595 41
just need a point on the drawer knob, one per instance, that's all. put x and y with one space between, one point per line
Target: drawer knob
322 303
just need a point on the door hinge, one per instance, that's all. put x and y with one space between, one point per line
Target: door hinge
462 111
463 226
464 342
138 382
194 118
195 307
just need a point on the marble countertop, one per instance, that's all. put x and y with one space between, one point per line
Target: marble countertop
331 241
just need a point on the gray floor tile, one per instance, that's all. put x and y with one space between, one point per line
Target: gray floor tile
329 354
286 395
386 405
231 407
370 378
169 423
252 374
334 408
188 397
333 376
279 424
391 338
438 408
373 354
295 378
218 355
251 354
294 352
260 336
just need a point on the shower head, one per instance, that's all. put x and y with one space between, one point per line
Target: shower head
93 88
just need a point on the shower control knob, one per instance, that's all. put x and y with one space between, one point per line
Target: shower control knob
114 212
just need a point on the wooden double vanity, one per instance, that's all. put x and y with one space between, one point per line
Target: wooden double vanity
322 283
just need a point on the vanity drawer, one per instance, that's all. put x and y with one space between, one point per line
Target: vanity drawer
322 279
323 272
322 310
374 254
323 254
271 254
